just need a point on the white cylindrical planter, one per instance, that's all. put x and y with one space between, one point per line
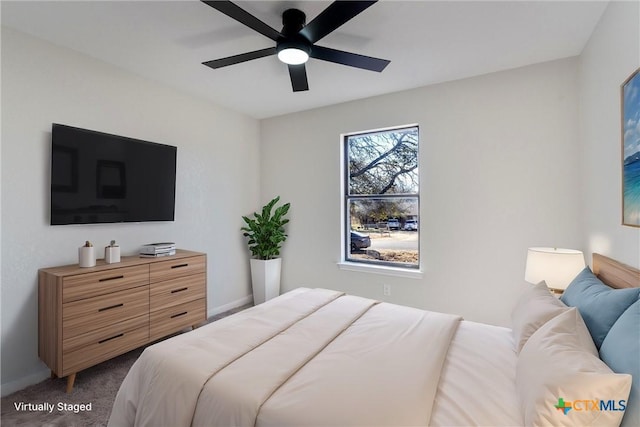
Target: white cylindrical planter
265 279
86 256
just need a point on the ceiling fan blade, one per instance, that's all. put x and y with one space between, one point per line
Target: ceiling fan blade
298 74
333 17
244 17
243 57
348 58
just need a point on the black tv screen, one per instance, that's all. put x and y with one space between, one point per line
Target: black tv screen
101 178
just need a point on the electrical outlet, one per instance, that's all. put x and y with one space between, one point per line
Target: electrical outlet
386 290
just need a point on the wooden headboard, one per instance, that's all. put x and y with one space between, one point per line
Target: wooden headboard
615 273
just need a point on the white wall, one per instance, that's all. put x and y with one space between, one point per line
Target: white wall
217 179
611 55
500 171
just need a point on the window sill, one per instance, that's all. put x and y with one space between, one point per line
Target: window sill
380 269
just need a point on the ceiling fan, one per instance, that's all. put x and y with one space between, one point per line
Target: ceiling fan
296 42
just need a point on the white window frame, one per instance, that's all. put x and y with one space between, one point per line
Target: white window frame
367 267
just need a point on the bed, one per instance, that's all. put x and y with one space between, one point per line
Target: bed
317 357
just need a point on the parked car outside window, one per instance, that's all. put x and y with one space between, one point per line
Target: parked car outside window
411 225
359 241
393 224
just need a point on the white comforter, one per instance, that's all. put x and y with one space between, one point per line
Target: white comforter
309 357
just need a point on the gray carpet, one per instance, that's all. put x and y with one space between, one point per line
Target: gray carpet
96 386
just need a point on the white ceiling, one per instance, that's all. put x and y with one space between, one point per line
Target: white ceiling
427 42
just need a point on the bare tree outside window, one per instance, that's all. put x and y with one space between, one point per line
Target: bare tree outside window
382 197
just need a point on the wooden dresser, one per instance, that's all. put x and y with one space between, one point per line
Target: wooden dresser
89 315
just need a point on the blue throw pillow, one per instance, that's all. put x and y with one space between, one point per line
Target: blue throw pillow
598 304
621 351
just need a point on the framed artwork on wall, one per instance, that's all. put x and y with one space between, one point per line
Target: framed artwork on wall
630 103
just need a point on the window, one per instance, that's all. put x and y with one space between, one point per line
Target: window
381 197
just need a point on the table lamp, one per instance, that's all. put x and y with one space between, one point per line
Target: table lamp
556 266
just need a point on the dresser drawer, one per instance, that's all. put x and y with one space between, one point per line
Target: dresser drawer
177 291
103 282
82 316
180 267
173 319
94 347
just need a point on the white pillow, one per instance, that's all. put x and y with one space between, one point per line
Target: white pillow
559 366
535 307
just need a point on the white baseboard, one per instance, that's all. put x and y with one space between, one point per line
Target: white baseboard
233 304
24 382
19 384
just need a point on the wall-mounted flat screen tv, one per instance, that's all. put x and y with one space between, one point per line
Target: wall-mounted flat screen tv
102 178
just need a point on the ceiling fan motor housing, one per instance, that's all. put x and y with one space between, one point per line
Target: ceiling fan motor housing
293 20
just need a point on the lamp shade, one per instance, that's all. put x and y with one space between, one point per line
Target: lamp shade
557 267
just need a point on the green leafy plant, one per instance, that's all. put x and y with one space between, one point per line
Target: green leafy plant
265 232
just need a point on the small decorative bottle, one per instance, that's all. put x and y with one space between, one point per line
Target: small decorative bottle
87 255
112 253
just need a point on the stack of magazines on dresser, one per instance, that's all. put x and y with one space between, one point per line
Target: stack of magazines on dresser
155 250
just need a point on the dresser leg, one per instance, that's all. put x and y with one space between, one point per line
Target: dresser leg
70 380
53 375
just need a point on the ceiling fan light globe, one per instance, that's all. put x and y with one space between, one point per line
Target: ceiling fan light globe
293 56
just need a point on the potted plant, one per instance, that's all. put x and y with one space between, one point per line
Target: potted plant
266 234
